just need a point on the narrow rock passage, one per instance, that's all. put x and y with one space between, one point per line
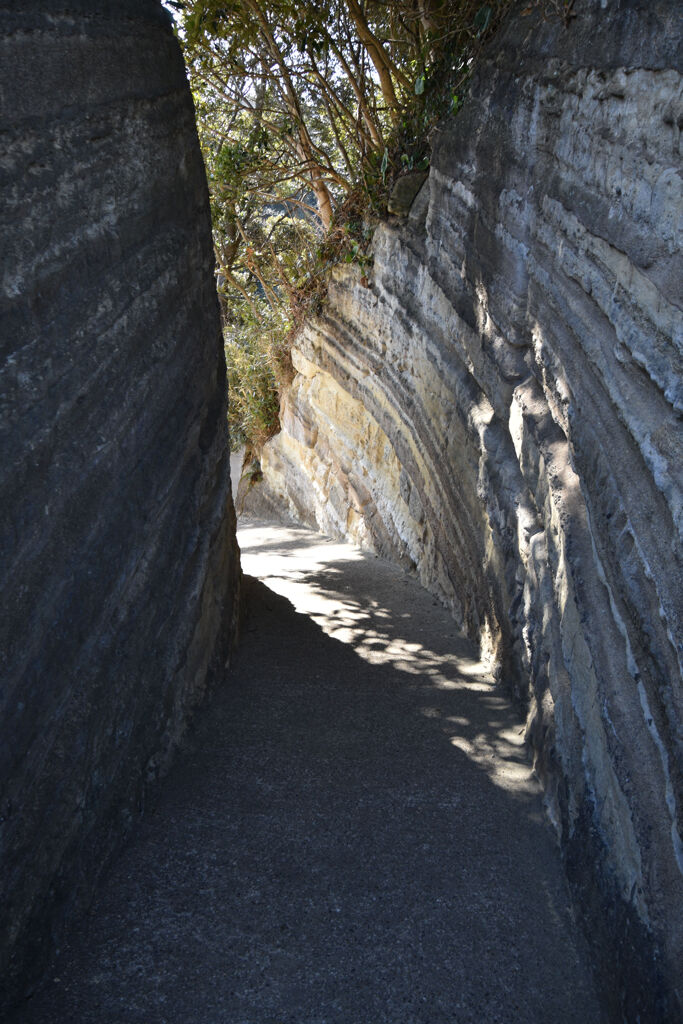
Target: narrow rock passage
352 835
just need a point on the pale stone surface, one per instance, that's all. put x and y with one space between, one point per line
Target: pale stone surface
500 409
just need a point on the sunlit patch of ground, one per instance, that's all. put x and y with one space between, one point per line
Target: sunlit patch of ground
352 833
315 573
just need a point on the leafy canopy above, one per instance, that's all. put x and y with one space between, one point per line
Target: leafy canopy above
306 115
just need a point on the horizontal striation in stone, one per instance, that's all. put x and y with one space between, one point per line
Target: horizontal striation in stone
119 565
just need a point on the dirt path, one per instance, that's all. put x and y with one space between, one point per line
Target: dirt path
352 837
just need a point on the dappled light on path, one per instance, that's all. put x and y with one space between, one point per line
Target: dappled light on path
315 574
352 834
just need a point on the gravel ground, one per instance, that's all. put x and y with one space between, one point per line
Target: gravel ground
352 835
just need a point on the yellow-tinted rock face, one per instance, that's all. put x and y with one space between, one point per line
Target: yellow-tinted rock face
499 410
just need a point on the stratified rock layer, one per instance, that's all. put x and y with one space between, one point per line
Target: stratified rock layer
119 565
499 410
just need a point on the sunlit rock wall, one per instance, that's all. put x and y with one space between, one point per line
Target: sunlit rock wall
117 556
500 410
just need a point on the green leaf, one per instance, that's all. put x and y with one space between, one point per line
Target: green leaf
482 19
419 85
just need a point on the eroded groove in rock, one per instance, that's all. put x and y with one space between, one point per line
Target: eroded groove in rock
500 409
118 555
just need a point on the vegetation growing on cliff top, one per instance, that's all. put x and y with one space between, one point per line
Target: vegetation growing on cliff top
307 113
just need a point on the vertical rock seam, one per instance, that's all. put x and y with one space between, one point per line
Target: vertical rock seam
500 411
119 562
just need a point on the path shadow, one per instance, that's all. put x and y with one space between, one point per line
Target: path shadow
352 835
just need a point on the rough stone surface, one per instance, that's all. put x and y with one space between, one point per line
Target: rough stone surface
404 192
500 409
117 546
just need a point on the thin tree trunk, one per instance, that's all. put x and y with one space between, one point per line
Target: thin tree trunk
320 189
384 66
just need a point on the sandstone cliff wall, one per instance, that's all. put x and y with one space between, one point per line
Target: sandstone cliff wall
499 410
117 551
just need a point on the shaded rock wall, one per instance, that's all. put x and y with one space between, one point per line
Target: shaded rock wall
500 408
119 565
